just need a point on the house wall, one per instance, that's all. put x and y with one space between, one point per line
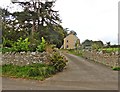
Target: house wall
71 42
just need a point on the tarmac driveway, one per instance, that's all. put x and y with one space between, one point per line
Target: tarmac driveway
80 74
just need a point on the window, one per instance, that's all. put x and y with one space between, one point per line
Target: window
67 40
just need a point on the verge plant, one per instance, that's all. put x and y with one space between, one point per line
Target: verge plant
58 61
41 46
21 45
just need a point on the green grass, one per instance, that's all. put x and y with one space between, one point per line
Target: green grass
34 71
116 68
75 52
110 49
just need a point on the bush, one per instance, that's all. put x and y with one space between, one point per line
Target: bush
7 43
6 49
21 45
58 61
33 44
42 45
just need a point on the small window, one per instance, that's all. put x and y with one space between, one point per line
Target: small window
67 40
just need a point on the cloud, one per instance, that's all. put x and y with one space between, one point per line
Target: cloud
91 19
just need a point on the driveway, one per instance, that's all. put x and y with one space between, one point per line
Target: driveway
80 74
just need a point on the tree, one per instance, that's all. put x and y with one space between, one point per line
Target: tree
95 46
73 32
87 44
108 44
92 44
99 44
36 20
40 14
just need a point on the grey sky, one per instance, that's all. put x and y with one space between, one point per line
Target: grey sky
91 19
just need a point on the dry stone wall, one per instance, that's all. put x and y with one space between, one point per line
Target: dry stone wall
25 58
106 58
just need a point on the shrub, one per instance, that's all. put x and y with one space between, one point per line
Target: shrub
42 45
49 48
6 49
58 61
33 44
7 43
21 45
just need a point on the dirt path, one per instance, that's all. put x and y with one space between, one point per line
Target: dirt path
79 75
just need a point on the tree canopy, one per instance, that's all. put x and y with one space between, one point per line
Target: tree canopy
92 44
37 19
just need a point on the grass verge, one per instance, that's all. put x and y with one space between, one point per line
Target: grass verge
34 71
76 52
116 68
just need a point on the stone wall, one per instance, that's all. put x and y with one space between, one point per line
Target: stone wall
25 58
106 58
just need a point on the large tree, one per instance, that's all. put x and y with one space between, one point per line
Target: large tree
37 19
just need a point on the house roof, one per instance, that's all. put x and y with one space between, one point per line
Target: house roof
71 34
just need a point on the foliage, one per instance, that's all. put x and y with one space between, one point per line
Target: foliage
7 42
0 49
36 17
21 45
116 68
49 48
108 44
95 46
77 44
73 32
42 45
109 50
18 46
92 44
6 49
34 42
34 71
86 43
58 61
54 35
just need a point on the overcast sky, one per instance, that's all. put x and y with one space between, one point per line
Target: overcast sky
91 19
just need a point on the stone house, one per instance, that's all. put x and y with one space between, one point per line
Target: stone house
71 42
